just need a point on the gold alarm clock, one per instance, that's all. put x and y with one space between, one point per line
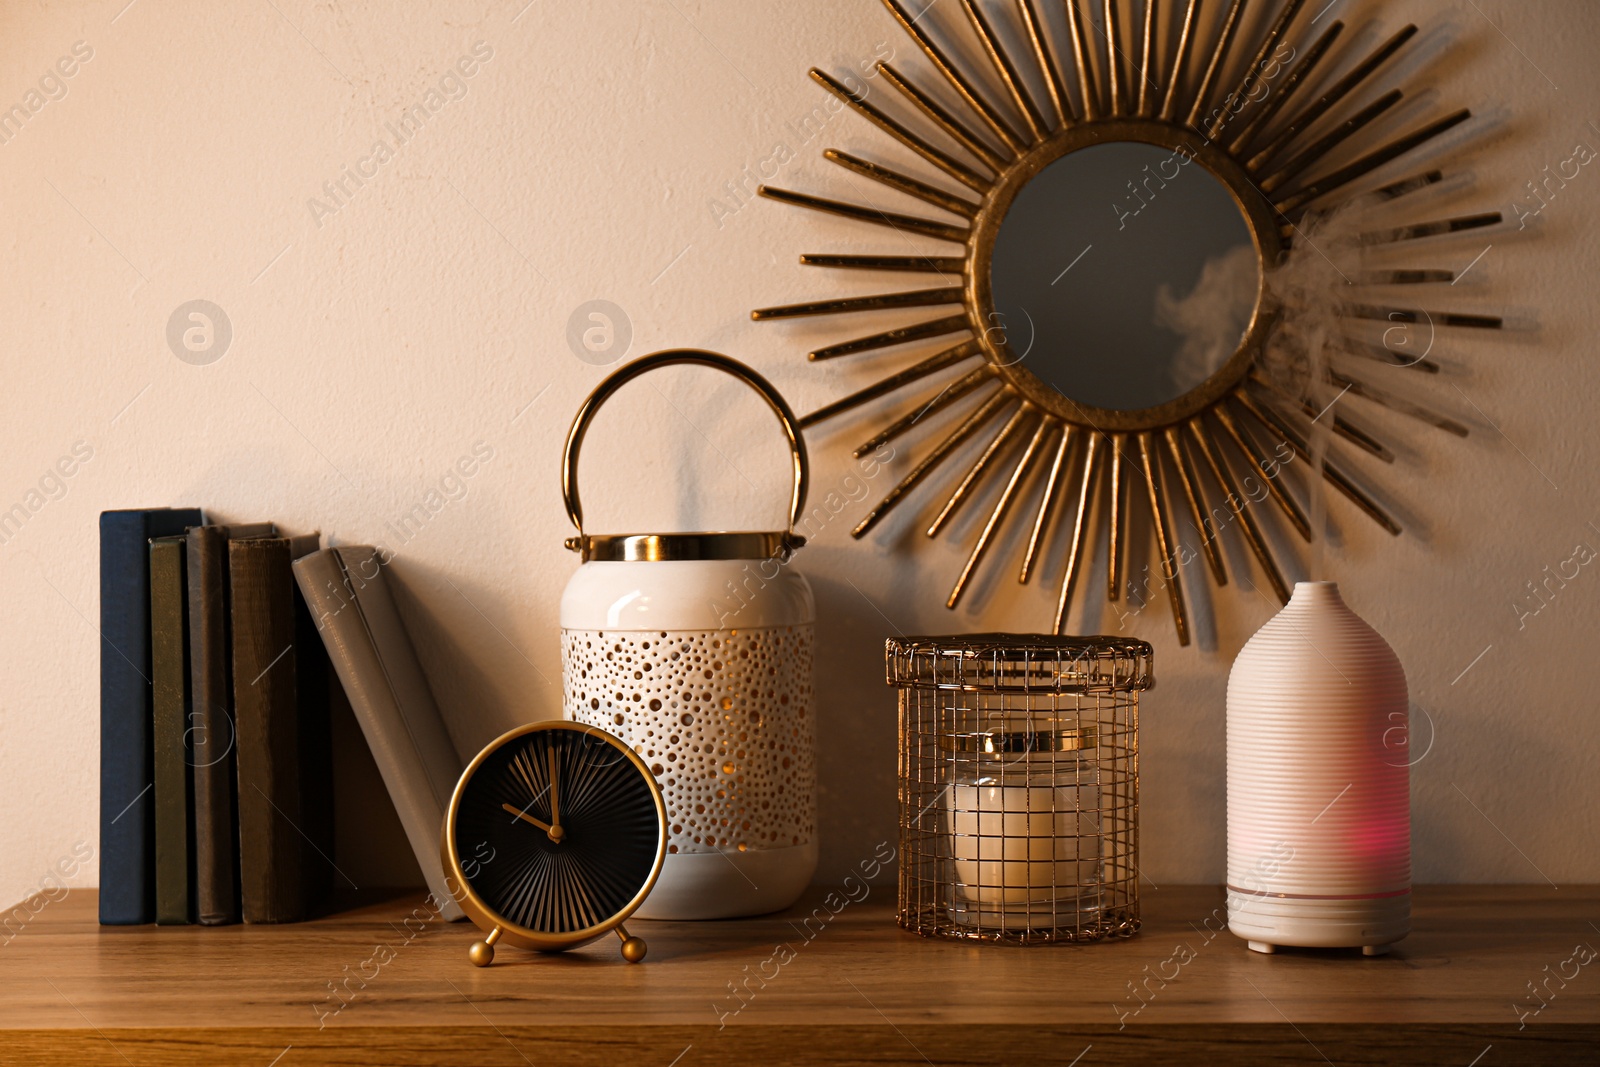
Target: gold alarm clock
555 835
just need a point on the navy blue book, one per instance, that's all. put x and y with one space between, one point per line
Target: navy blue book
127 709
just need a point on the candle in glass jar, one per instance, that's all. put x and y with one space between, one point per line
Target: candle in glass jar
1024 843
1024 813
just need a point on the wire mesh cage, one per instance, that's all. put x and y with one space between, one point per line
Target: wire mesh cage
1019 785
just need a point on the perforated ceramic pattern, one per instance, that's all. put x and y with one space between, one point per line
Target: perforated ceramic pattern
723 718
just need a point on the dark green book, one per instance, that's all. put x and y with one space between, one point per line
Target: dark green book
169 677
280 699
212 732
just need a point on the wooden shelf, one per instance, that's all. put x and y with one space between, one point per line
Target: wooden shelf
848 987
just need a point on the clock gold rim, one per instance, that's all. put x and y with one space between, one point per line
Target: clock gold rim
485 917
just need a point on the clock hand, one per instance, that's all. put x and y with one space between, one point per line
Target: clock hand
525 817
555 831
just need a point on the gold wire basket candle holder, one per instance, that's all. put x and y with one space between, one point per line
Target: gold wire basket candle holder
1019 785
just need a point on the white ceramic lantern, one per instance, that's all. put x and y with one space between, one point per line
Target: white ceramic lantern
1319 805
696 649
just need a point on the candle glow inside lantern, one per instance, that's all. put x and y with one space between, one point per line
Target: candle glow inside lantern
1024 810
1019 785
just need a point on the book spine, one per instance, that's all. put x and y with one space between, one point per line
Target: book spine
169 677
213 734
127 780
313 676
280 701
376 664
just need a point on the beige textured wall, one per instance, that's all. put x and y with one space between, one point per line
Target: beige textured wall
601 151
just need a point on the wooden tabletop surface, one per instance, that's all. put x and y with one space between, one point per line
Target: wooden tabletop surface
368 986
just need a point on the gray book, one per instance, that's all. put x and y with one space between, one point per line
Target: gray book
377 664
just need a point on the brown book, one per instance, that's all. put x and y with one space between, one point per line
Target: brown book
169 679
280 696
212 734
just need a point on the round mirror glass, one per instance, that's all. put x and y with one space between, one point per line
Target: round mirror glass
1124 275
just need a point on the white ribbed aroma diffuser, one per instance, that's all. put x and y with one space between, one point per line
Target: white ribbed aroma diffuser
1319 806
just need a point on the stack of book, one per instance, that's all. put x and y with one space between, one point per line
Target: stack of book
215 761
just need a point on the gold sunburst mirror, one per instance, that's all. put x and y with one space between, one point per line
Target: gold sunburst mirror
1126 192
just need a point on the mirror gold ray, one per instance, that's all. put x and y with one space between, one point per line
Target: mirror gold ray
1097 221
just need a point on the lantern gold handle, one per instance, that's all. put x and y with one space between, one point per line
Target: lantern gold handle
625 374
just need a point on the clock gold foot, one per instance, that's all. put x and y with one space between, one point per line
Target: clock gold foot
633 948
482 952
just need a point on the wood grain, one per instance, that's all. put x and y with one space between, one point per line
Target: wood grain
385 982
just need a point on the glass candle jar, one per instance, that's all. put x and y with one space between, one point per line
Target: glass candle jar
1024 817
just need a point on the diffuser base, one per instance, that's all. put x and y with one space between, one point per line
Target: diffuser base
1270 923
729 885
1267 948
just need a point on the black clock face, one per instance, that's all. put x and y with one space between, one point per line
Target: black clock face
558 830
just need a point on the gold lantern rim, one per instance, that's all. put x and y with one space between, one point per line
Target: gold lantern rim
657 548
